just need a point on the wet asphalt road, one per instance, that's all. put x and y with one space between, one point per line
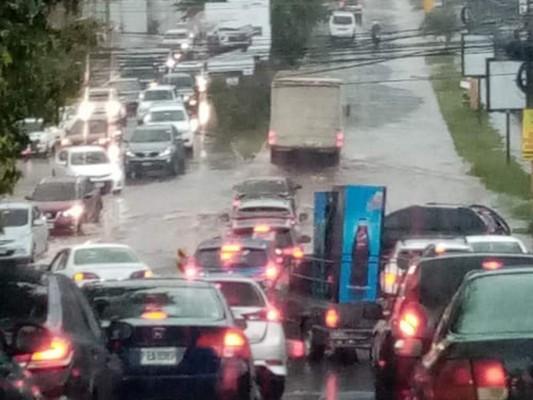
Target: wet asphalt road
395 137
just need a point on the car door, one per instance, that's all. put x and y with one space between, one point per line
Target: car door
39 230
91 357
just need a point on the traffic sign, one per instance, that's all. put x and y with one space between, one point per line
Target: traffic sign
527 134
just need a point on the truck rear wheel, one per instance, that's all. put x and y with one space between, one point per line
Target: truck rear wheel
278 157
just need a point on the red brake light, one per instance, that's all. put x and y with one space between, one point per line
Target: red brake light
412 321
492 265
332 318
231 248
489 374
190 271
273 315
156 315
340 139
57 355
272 271
271 138
298 253
230 344
262 229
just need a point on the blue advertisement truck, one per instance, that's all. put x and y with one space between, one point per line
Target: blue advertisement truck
331 300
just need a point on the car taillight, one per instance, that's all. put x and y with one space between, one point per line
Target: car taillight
268 314
340 139
154 315
58 355
261 229
271 138
332 318
85 276
298 253
491 264
476 380
190 271
271 271
232 343
412 321
144 273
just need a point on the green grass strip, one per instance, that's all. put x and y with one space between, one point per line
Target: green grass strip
475 139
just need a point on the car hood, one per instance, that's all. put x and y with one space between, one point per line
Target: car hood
52 206
92 170
153 146
112 271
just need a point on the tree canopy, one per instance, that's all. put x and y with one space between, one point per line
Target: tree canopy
40 69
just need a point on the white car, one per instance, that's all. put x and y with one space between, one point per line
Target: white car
174 114
342 25
180 38
496 244
24 233
92 162
405 252
99 262
154 95
264 330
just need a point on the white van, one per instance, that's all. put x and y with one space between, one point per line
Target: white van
342 25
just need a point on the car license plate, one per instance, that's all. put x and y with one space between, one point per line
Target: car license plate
146 164
161 356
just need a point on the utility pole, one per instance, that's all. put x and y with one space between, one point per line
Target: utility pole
529 70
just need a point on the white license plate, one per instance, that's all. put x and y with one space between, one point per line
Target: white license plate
161 356
146 164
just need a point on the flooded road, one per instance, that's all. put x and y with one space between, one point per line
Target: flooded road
395 136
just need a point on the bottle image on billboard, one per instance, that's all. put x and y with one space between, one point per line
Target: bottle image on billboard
360 255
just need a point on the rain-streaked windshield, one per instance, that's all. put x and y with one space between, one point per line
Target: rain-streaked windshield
167 116
13 217
240 294
104 255
151 136
89 158
342 20
178 81
497 247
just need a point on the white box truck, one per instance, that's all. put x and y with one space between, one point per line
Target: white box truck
306 120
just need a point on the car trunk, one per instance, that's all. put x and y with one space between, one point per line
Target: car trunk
255 329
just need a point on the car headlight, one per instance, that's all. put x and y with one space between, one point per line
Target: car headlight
193 102
74 212
65 142
186 97
130 153
184 46
166 152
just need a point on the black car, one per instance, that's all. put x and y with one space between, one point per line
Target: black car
426 290
177 339
441 219
483 346
15 383
74 363
155 148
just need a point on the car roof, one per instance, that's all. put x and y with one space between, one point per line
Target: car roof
84 149
518 270
450 245
99 246
154 126
492 238
422 243
230 278
14 204
164 282
176 30
245 242
168 107
160 87
272 222
341 14
178 75
264 201
59 179
452 256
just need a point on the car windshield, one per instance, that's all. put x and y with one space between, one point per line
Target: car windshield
176 35
13 217
55 191
178 81
262 187
99 96
22 300
105 255
151 136
198 303
343 20
241 294
158 95
496 305
497 247
167 116
95 127
245 258
89 158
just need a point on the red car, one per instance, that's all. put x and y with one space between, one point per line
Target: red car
68 202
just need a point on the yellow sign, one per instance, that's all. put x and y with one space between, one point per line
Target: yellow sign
429 5
527 134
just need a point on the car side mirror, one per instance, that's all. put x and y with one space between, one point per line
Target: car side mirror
373 312
30 338
225 217
118 330
304 239
303 217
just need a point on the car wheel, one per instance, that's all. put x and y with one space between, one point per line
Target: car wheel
183 166
174 168
315 352
53 172
381 392
273 388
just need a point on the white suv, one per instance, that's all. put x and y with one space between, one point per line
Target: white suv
175 114
342 25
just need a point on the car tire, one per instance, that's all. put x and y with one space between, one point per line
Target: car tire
174 168
274 389
315 351
381 392
183 165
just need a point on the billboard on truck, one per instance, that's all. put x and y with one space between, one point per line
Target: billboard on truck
347 240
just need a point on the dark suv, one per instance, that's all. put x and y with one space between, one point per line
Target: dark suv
155 147
441 219
426 290
75 364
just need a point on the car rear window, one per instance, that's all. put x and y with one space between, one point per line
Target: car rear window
280 236
200 303
245 258
441 277
497 247
343 20
22 301
496 305
241 294
104 255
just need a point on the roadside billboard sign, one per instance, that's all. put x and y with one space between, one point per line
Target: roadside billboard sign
475 50
503 94
527 134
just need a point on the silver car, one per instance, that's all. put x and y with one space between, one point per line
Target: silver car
264 330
